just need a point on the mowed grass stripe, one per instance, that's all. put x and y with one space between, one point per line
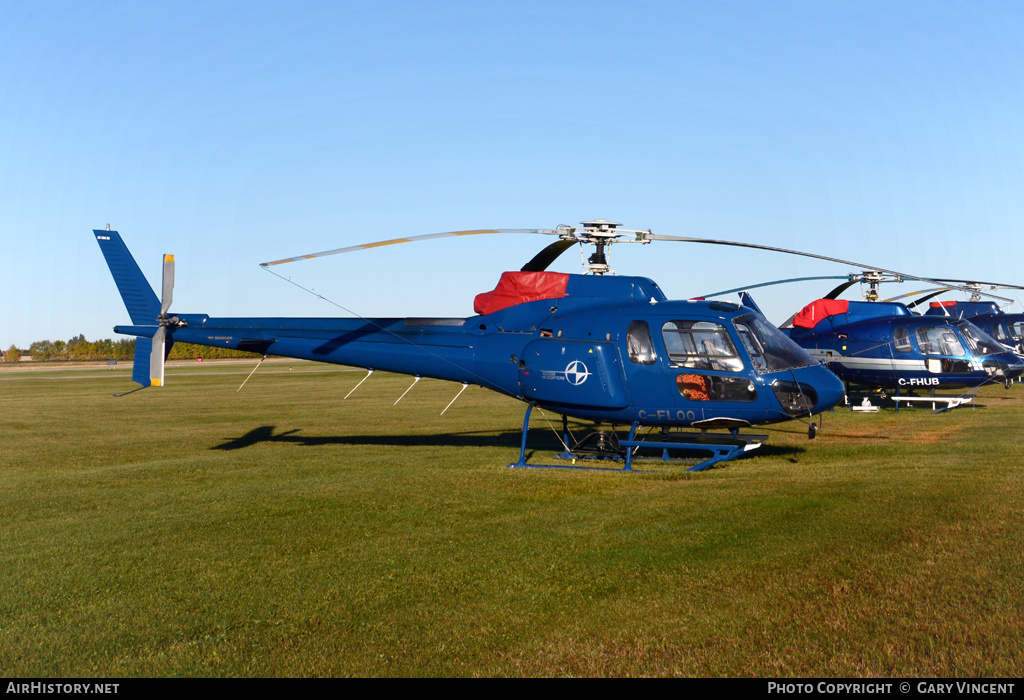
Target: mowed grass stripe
196 530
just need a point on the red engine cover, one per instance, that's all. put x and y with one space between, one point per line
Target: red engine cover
518 287
811 314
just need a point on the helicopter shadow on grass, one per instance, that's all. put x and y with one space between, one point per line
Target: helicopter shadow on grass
789 452
267 434
867 436
540 442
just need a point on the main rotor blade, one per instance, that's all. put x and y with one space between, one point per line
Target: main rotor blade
926 298
936 290
544 258
840 289
167 293
710 241
994 285
769 284
410 239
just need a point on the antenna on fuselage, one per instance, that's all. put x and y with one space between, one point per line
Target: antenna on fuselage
359 384
251 373
464 385
407 390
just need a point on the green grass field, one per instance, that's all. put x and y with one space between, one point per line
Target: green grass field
279 531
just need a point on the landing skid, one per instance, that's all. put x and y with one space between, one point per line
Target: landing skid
606 446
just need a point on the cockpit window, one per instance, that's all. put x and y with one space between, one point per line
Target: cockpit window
901 339
980 342
710 387
770 349
639 343
700 345
1008 332
939 340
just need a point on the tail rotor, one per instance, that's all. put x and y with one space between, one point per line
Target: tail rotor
159 351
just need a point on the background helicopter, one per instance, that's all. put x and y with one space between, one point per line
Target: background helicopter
1007 328
884 345
609 349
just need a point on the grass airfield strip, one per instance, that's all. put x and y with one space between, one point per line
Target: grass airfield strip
197 530
58 370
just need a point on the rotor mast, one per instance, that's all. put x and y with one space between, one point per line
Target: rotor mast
975 290
873 278
601 233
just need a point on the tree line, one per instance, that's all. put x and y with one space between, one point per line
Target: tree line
80 349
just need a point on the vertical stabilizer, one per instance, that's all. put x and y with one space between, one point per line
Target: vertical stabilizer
748 301
144 308
139 298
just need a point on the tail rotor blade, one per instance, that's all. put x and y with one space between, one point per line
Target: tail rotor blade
156 358
167 294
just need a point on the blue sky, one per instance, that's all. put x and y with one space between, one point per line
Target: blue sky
231 133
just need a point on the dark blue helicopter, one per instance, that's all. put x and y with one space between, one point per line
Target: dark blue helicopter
884 345
1007 328
602 348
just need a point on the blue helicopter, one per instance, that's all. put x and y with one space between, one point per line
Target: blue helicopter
1007 328
883 345
596 347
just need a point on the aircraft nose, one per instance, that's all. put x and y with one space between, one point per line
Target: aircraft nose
1006 366
812 384
1015 368
831 391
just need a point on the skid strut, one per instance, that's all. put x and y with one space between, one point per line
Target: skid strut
715 447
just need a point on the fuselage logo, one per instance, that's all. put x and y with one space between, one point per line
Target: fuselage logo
576 373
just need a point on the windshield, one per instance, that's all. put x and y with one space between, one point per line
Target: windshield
770 349
980 342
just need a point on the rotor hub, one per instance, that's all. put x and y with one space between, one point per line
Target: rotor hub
601 228
874 278
599 233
